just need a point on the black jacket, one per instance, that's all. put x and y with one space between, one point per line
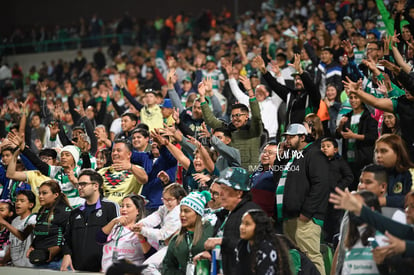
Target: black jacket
80 235
364 148
299 103
231 234
340 174
307 185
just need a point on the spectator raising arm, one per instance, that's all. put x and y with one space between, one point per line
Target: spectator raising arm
383 104
11 169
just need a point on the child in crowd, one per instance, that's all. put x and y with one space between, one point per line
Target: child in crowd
260 250
167 218
21 228
340 175
6 214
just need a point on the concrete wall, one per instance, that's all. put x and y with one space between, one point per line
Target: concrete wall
28 60
5 270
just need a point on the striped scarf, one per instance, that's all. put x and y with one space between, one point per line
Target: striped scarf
280 190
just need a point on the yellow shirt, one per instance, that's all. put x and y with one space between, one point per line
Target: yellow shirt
152 117
35 179
118 184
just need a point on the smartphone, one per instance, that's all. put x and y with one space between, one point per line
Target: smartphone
373 242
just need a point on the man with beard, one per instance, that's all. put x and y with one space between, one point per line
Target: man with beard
300 101
302 192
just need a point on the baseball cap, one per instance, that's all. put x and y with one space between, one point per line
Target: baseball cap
167 103
296 129
210 58
235 177
187 78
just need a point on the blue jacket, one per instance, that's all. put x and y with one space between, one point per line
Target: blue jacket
399 184
152 190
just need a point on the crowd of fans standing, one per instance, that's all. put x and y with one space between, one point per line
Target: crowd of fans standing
214 143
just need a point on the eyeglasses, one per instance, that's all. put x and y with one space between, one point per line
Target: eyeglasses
82 184
214 193
269 152
237 115
168 200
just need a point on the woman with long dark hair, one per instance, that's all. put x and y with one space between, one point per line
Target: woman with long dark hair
51 221
390 152
260 251
390 124
359 240
120 241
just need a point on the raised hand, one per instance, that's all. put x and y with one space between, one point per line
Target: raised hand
16 139
390 66
259 63
296 64
351 86
170 77
208 84
345 200
227 65
348 47
382 88
119 82
246 82
80 110
394 39
42 87
163 176
275 68
204 133
201 89
201 178
54 128
193 141
156 136
370 64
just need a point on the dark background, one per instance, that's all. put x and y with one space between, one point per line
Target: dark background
24 13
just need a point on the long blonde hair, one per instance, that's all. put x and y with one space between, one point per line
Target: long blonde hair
198 232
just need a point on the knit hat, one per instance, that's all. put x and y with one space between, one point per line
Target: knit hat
197 201
73 150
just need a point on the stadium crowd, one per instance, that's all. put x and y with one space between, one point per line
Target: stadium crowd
220 146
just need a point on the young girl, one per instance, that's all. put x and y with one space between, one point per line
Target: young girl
6 213
260 251
168 219
359 249
390 124
51 221
21 228
120 241
190 240
391 153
